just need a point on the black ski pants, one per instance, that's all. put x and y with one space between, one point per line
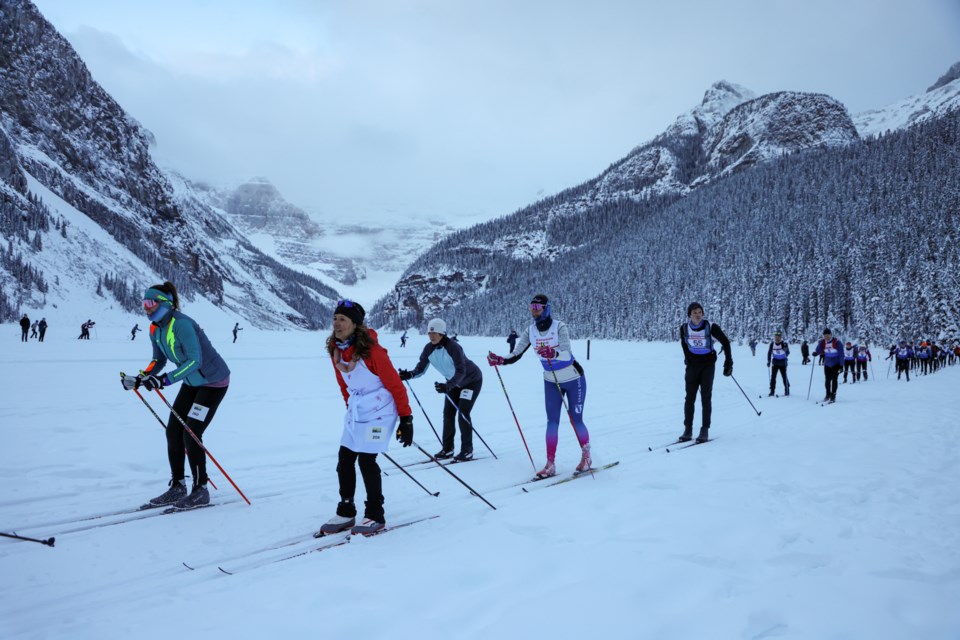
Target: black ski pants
699 376
861 370
848 367
197 406
463 398
903 366
831 377
780 367
372 482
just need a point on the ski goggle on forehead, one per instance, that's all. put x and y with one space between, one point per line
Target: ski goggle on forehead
536 306
345 303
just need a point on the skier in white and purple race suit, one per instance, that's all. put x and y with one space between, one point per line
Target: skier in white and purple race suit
561 371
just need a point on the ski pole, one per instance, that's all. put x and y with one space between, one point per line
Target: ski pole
424 412
444 467
467 420
744 394
147 404
556 380
198 441
48 541
510 404
813 366
410 476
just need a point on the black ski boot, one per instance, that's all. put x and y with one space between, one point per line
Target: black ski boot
704 435
177 491
687 435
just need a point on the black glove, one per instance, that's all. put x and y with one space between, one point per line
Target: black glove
728 368
404 374
130 382
441 387
151 382
405 431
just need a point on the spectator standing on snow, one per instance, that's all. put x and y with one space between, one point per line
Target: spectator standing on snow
805 352
85 329
43 329
696 340
236 328
33 329
177 338
562 376
777 356
512 340
24 328
375 398
753 346
133 332
403 338
462 384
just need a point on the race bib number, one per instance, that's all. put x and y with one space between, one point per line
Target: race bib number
466 394
198 412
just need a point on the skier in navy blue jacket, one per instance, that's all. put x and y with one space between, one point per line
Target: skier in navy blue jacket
696 340
777 356
831 350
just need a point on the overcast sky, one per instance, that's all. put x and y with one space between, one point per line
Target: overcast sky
462 110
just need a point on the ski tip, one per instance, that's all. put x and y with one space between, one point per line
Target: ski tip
524 489
188 566
224 571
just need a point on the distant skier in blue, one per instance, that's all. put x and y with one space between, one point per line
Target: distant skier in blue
831 351
696 339
777 356
904 356
849 361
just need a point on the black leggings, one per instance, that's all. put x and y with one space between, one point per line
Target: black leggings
450 413
370 470
782 368
190 402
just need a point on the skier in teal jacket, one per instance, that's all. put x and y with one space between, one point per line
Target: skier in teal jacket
177 338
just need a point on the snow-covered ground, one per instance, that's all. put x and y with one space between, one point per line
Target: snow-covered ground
806 522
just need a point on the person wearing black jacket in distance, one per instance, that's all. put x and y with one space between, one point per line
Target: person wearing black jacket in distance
696 339
463 380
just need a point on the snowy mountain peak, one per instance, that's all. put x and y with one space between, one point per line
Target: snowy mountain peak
952 74
775 124
939 99
723 96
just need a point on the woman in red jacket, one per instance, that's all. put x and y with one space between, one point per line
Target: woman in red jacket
375 397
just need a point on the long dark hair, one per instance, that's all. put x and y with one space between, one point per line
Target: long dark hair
171 290
362 342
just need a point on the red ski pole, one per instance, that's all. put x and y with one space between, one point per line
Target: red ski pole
197 440
510 404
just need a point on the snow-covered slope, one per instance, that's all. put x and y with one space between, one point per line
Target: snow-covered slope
66 133
359 259
940 98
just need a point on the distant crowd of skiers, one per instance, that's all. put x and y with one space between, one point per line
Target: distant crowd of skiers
852 359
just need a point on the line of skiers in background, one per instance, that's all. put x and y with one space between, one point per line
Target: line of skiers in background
853 360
